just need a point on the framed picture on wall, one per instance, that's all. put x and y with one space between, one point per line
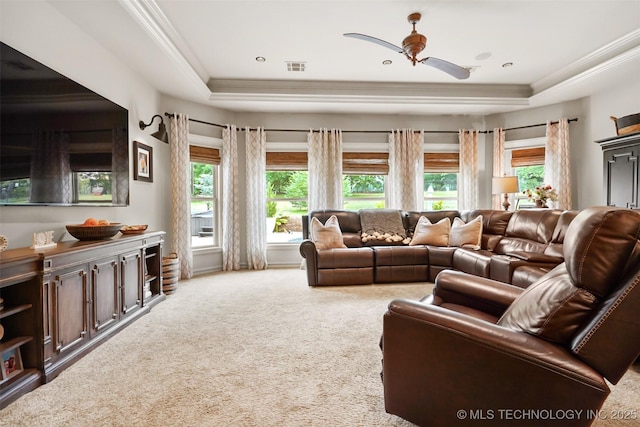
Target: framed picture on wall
143 162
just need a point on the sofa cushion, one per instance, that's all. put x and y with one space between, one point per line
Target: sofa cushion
466 234
551 308
327 235
525 275
555 248
345 258
436 234
382 226
476 262
536 225
600 245
494 225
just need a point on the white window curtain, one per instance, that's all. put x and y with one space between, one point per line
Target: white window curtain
256 194
230 212
468 176
325 169
406 170
498 163
180 193
557 167
230 200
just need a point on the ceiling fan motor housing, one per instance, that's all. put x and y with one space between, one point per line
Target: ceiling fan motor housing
413 44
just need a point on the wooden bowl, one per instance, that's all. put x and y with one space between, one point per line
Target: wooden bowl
94 232
133 229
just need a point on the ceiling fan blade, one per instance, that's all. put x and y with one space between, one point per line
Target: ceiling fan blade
455 70
375 40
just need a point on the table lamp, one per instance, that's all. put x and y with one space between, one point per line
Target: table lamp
506 185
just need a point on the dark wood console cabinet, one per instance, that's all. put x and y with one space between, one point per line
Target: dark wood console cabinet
60 303
621 173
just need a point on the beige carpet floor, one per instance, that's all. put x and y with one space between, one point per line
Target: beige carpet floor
243 349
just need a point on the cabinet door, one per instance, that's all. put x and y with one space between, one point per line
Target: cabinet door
70 308
104 294
131 281
621 177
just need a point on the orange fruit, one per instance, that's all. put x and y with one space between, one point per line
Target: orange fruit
91 221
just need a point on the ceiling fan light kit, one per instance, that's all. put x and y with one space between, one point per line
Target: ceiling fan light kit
412 45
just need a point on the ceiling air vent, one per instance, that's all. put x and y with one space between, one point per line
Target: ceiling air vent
296 66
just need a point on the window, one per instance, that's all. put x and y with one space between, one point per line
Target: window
204 196
528 165
287 189
441 181
440 191
363 191
363 180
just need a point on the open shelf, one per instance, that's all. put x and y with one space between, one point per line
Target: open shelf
13 343
13 310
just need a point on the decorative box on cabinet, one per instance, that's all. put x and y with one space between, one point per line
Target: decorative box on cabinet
621 172
68 299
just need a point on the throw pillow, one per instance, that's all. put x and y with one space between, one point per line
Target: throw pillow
466 234
327 235
427 233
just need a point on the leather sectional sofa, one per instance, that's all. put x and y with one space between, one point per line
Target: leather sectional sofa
516 248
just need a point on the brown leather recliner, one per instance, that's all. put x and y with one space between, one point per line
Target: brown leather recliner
483 352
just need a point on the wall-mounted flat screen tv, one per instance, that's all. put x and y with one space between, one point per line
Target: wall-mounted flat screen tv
60 143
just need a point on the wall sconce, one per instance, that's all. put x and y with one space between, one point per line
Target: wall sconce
506 185
161 134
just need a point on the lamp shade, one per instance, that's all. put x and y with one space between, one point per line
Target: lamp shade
161 134
505 184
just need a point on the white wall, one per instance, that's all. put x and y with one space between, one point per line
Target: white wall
40 31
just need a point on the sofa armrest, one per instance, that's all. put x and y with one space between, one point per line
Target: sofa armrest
436 362
465 289
503 266
310 254
536 257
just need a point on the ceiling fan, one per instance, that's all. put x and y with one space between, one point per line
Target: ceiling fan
412 45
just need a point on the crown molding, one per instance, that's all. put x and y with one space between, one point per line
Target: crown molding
613 54
360 93
229 87
593 72
151 18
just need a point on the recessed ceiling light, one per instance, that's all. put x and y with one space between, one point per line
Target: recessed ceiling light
387 62
507 65
260 58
